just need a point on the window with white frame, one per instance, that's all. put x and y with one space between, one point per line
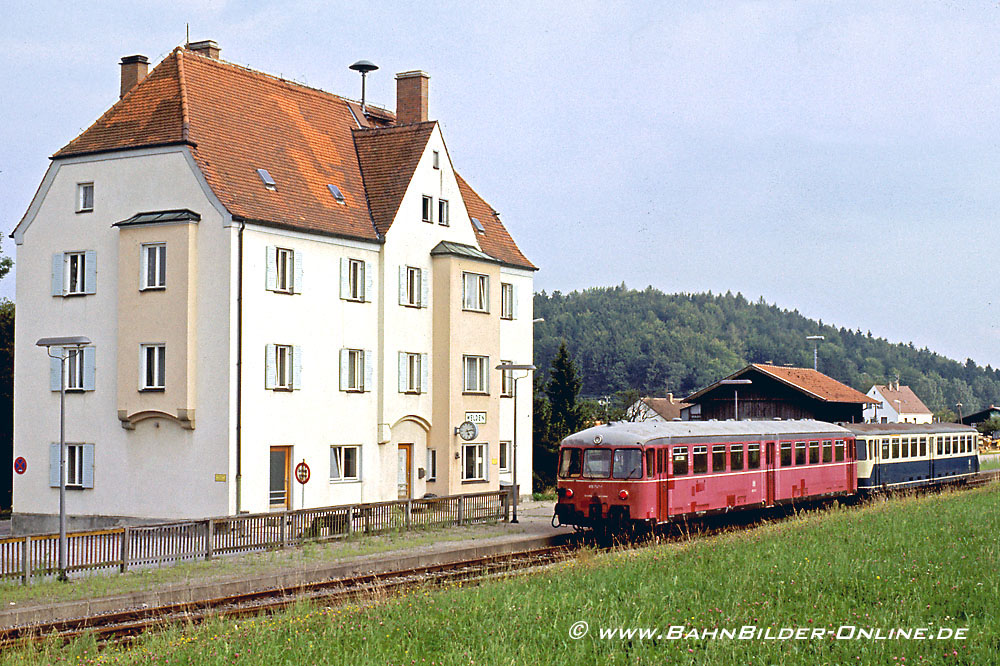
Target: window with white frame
79 465
443 212
84 197
412 372
476 373
79 373
476 292
284 270
154 357
356 370
355 279
508 305
504 456
411 287
283 367
154 265
74 369
427 208
506 381
76 271
432 464
436 161
473 462
74 465
345 463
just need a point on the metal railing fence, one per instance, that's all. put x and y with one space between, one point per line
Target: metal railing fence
123 548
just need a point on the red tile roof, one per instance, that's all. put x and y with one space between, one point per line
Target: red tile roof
810 381
909 403
237 120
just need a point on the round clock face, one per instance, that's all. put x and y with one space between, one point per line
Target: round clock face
468 431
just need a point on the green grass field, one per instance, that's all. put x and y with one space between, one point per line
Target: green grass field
913 562
992 463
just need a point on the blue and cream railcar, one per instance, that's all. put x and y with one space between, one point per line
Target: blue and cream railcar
907 455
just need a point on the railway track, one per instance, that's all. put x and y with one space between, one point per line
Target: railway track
125 625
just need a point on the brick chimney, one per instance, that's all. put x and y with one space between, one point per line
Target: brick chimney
134 69
206 48
411 97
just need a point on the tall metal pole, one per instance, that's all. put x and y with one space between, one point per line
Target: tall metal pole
736 404
62 463
517 491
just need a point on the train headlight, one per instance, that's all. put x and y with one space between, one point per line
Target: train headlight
566 493
623 494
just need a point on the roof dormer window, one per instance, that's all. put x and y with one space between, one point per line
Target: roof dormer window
337 194
478 225
266 178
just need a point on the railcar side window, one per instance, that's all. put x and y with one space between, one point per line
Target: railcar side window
800 453
923 446
650 462
885 448
753 456
940 446
786 454
947 446
719 458
736 457
700 459
680 460
827 451
895 447
839 450
597 463
628 464
813 453
571 463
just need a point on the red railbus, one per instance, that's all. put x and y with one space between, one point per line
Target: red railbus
655 472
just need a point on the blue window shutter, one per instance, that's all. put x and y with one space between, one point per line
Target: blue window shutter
425 373
369 370
270 368
402 285
369 281
296 367
88 465
344 367
345 278
54 465
55 369
89 368
297 280
58 263
90 278
402 372
425 298
513 301
271 272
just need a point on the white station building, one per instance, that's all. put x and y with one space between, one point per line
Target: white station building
269 274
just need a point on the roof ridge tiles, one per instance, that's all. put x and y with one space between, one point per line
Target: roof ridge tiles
185 117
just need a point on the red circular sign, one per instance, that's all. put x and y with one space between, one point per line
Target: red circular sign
20 465
302 472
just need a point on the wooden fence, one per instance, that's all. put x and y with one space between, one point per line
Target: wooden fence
123 548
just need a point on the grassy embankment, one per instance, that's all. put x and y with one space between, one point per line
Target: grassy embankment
926 562
989 463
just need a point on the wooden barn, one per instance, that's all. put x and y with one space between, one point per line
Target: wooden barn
762 392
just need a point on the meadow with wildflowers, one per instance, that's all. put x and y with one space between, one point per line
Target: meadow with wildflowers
910 562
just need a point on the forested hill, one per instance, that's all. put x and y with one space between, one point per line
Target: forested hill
624 339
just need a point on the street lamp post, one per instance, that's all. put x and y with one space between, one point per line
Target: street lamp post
815 339
76 342
513 367
736 397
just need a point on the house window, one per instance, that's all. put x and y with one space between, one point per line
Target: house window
476 378
344 463
84 197
74 465
476 292
153 367
355 280
506 381
283 367
432 464
436 161
504 456
154 266
76 270
356 370
506 300
285 265
427 209
411 287
74 273
74 369
412 372
79 465
443 212
474 462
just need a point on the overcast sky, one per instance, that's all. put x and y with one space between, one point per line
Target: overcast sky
841 158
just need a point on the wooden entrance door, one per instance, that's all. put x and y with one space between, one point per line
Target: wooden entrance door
279 495
405 456
769 472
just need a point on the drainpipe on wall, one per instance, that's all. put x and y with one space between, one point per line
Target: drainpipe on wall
239 370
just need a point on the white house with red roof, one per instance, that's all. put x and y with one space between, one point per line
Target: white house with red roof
269 274
897 404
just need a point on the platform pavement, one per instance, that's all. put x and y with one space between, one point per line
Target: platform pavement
534 530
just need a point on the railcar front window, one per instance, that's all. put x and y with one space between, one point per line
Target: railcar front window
680 460
597 463
700 454
753 456
786 454
736 457
571 463
628 464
